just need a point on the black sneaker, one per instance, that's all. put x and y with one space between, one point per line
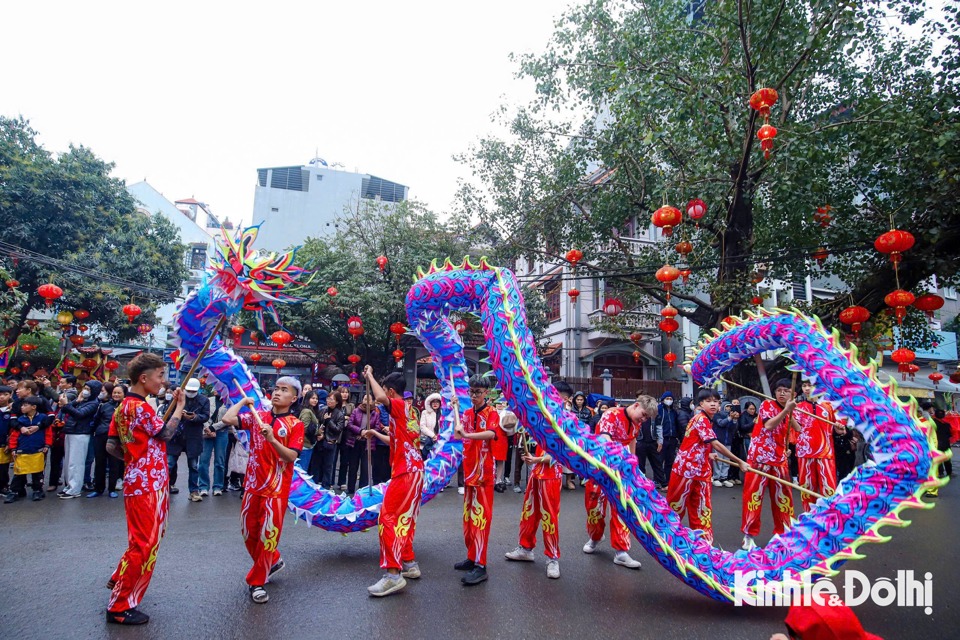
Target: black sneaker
174 491
465 565
477 575
279 566
500 487
11 497
258 594
38 496
130 616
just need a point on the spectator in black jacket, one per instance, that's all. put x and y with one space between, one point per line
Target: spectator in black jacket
668 424
723 427
79 418
684 414
189 439
103 463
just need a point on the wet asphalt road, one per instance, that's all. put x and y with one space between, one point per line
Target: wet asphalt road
58 554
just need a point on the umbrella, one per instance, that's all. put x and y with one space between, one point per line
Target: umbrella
341 377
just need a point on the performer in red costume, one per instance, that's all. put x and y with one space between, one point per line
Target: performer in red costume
621 424
768 453
138 437
276 439
815 457
690 489
479 427
541 505
401 502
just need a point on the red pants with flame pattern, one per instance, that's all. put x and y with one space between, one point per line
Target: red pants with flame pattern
597 507
398 519
541 505
818 475
477 516
146 524
781 498
692 496
261 522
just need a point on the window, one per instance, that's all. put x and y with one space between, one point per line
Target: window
552 294
274 209
319 177
262 177
198 257
374 188
949 293
290 178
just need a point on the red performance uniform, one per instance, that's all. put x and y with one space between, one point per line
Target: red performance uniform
266 489
690 487
768 453
620 428
145 498
478 478
541 504
401 502
816 467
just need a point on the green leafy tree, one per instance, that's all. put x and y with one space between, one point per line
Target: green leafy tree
645 103
65 220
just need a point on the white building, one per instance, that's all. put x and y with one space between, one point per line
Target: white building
304 201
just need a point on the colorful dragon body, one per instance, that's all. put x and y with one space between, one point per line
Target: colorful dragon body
817 544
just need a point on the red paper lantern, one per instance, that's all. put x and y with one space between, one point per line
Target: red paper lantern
131 311
636 357
88 364
278 364
636 337
669 326
83 328
935 377
899 300
612 307
68 365
928 303
25 364
955 377
382 262
33 324
355 326
696 209
398 329
666 217
757 300
281 338
683 248
332 292
912 370
667 274
574 256
15 370
762 100
28 347
13 284
729 320
574 294
460 325
398 355
77 340
237 330
820 255
671 358
669 311
894 242
822 216
854 316
903 357
685 274
353 358
49 292
81 314
111 365
144 329
256 357
766 134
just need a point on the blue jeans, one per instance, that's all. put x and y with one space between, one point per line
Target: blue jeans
216 447
193 465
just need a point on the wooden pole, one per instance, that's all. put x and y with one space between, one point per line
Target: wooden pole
798 410
256 416
370 442
774 478
196 363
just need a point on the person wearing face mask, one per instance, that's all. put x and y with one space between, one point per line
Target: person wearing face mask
106 468
668 425
79 422
189 439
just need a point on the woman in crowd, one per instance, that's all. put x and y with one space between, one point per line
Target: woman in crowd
332 422
107 469
310 417
429 424
347 443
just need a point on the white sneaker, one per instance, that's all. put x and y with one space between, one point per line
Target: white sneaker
553 569
520 554
411 570
218 492
748 543
517 489
460 490
727 483
717 483
386 585
624 560
591 545
204 494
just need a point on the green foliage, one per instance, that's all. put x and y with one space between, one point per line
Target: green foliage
68 207
641 104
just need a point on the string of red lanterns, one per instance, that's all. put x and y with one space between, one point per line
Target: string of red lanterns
761 101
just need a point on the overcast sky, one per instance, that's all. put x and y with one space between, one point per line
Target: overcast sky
194 96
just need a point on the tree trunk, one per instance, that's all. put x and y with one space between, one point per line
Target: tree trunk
15 331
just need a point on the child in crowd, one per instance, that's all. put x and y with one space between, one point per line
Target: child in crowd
30 439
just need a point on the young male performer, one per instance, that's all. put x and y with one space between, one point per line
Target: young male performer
815 458
478 428
541 504
620 424
401 502
276 440
690 488
768 453
138 436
